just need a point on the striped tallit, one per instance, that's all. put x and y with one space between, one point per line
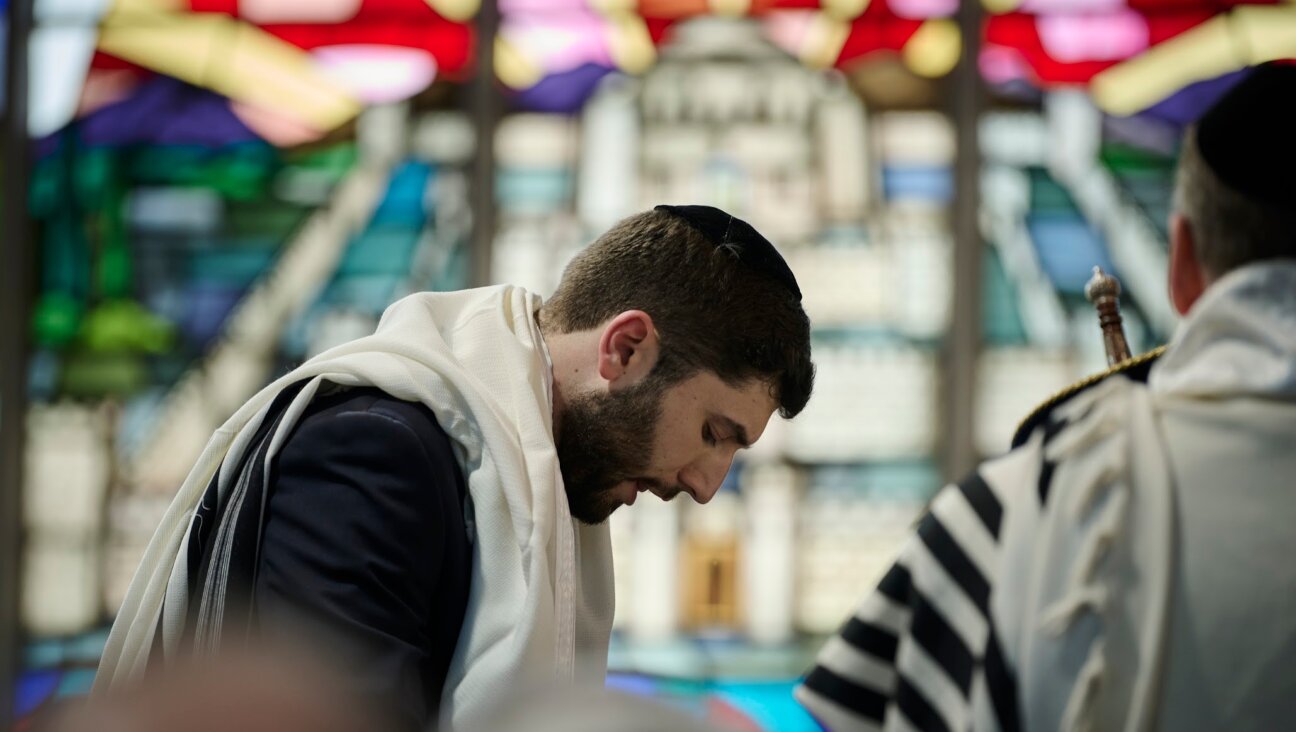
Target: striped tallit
935 647
1126 568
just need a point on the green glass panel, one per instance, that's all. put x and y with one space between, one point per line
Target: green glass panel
1001 319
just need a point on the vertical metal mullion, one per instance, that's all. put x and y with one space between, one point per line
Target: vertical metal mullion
17 276
963 342
486 105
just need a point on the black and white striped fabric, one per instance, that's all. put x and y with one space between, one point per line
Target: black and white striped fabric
922 652
1032 595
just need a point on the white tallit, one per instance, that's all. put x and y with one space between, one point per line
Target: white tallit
1127 568
1173 532
540 605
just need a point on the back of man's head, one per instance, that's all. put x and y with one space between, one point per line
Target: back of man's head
1236 183
720 296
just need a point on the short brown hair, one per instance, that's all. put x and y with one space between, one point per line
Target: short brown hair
712 311
1230 229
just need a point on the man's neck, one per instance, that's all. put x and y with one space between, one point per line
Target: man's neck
558 406
560 347
551 349
569 359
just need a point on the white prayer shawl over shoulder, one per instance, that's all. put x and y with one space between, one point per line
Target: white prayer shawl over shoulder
1128 568
540 603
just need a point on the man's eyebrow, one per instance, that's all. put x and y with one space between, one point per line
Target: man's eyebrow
739 432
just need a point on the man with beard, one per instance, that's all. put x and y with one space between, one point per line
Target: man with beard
429 502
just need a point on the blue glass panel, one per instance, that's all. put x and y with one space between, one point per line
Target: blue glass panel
403 203
379 251
768 704
533 191
207 306
34 687
1068 249
76 682
369 294
934 184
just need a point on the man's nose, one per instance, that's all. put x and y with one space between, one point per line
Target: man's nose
703 478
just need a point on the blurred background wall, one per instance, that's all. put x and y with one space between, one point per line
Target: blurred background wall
200 194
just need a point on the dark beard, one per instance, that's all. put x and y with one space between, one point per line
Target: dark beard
606 439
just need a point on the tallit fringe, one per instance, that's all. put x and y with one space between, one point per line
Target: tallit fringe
1059 616
1078 715
1099 420
1086 595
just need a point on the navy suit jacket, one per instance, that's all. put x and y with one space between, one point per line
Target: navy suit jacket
365 548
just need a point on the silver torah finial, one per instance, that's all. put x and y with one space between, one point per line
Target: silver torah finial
1103 290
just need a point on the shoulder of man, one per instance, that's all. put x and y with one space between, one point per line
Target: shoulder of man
1135 369
339 401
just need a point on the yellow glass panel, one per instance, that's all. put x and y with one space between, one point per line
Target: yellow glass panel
298 11
614 7
456 10
230 57
513 68
1270 32
1226 43
630 43
998 7
730 7
845 9
824 41
934 49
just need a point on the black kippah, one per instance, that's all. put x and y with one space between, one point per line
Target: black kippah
738 238
1248 138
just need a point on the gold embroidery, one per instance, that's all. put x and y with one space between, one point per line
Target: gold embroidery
1083 384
